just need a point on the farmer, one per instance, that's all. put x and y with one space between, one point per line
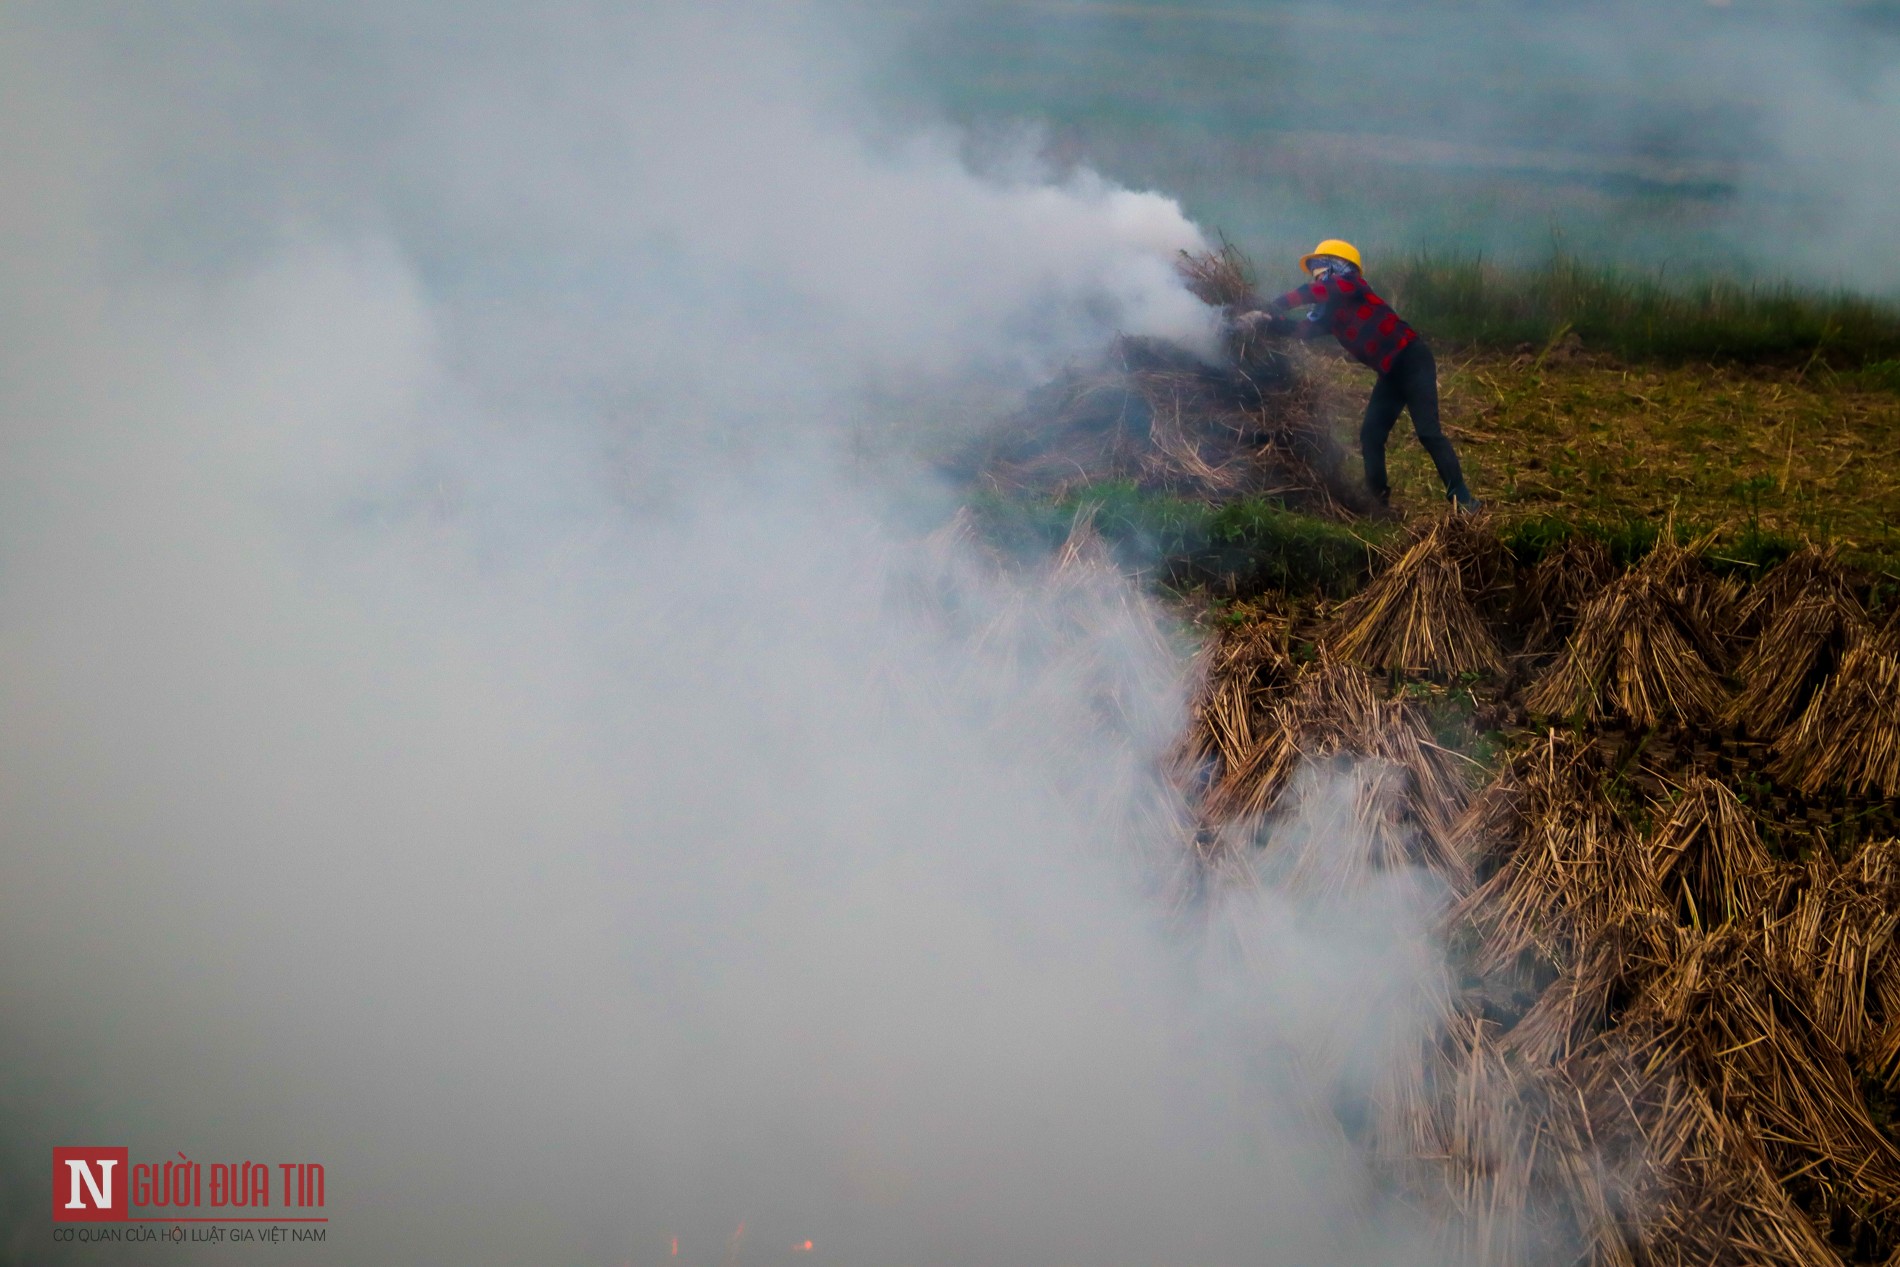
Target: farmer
1340 303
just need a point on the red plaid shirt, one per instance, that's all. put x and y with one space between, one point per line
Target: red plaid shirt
1346 308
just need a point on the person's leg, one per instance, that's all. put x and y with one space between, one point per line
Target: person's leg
1417 375
1382 410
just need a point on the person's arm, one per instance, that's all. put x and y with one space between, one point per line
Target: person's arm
1312 326
1319 299
1273 318
1298 297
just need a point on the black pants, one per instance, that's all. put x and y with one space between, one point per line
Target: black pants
1411 384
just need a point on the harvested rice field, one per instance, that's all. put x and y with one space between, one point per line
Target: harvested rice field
1639 722
1663 812
1569 432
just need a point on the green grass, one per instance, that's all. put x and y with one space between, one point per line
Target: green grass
1238 547
1750 551
1645 316
1878 376
1255 545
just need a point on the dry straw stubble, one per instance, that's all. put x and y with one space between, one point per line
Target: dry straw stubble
1647 649
1417 616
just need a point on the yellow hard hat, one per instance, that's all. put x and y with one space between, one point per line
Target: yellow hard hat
1334 247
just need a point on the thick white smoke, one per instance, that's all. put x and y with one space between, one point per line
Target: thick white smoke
469 721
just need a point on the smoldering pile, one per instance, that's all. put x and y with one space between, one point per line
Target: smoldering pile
1245 423
1676 1034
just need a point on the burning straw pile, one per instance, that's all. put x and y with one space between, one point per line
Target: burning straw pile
1244 423
1673 1044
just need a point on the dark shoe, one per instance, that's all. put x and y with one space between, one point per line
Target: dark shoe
1461 498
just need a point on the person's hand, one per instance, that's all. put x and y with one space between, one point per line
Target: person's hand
1259 325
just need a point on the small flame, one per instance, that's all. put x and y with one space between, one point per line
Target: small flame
674 1252
803 1247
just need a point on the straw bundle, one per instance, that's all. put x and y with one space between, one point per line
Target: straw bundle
1404 1121
1711 600
1875 870
1849 734
1581 1002
1645 649
1810 572
1332 708
1241 671
1335 710
1224 278
1561 583
1221 278
1837 935
1416 615
1582 871
1882 1058
1744 1032
1519 1179
1578 868
1351 820
1498 818
1802 642
1708 848
1696 1188
1486 563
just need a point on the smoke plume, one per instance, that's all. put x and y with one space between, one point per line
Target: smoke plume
473 719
